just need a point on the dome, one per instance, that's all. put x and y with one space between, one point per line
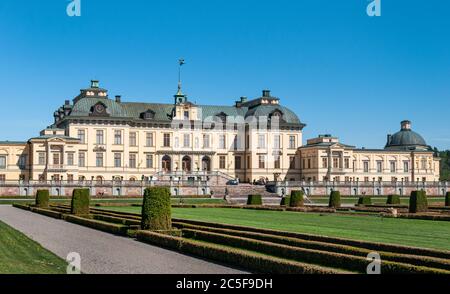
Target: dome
406 139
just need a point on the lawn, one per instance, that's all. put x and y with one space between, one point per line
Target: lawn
21 255
375 200
410 232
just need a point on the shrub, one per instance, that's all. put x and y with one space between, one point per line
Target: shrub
80 202
254 200
364 200
42 198
156 209
393 199
296 199
447 199
98 225
335 199
285 201
418 202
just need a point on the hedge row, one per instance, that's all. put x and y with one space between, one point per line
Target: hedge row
98 225
336 248
116 220
47 212
251 261
356 243
312 209
425 217
328 259
21 206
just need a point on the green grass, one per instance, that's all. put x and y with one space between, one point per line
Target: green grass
21 255
409 232
375 200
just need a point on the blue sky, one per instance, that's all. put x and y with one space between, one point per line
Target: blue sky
341 71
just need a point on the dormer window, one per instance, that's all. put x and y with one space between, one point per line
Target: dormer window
148 115
99 109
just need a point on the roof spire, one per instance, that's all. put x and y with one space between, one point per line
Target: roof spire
181 62
179 96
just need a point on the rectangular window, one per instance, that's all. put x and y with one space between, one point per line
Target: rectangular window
366 166
366 179
205 141
117 160
406 166
117 137
379 166
132 160
133 139
2 162
82 136
324 162
186 140
22 163
335 162
149 139
222 141
186 115
99 137
424 164
393 167
70 160
236 143
277 161
309 163
81 159
56 159
222 162
2 178
347 163
237 162
99 159
166 140
292 144
149 161
262 161
249 163
276 142
41 159
70 178
292 162
261 141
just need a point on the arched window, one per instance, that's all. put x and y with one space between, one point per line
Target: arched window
166 163
187 164
206 163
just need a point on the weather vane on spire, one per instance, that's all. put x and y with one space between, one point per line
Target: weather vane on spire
180 62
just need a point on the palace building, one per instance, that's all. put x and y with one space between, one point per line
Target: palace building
94 137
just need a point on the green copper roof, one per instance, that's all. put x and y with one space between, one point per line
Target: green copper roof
132 110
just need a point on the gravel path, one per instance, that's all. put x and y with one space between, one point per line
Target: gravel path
103 253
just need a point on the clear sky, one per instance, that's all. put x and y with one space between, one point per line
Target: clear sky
340 70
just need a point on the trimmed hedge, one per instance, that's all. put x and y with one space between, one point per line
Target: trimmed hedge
47 212
98 225
156 209
21 206
42 198
323 246
335 199
393 199
418 202
116 220
257 263
364 200
254 200
447 199
328 259
296 199
80 202
285 201
334 240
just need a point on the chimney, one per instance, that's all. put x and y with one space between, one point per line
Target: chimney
243 99
118 98
406 125
266 93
